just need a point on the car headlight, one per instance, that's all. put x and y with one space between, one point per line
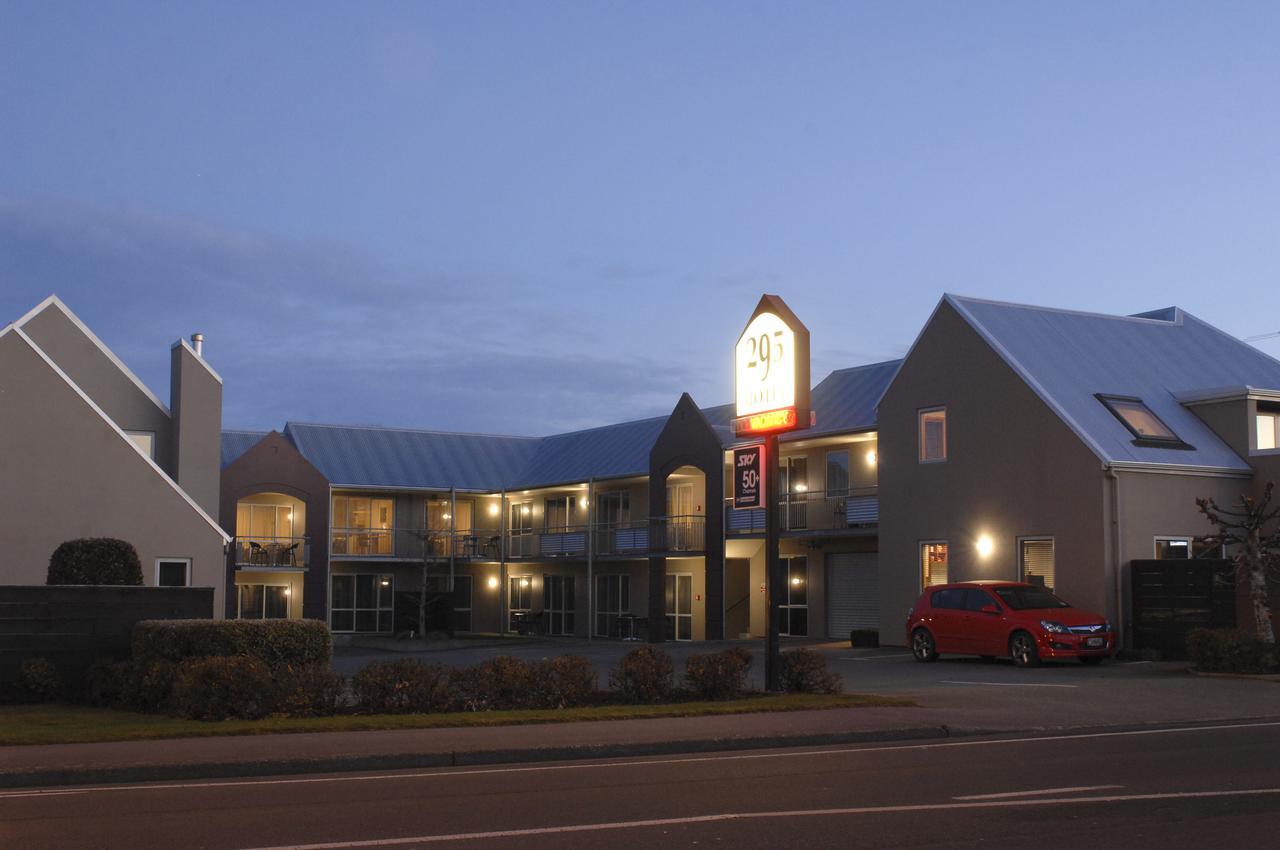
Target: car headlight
1051 626
1106 625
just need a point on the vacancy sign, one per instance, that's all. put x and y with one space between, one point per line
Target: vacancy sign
771 371
748 477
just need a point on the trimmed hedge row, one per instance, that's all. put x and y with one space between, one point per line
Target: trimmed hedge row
1231 651
95 560
273 642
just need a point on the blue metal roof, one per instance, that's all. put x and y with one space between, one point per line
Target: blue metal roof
397 457
236 443
846 399
1066 357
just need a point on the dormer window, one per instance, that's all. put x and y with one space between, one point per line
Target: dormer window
1268 426
1148 430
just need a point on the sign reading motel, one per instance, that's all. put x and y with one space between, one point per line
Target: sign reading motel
771 371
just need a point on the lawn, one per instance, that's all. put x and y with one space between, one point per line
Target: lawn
75 724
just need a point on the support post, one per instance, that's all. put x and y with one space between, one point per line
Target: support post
774 583
502 563
453 532
591 553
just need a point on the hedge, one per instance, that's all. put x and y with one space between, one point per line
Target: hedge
1230 651
95 560
276 643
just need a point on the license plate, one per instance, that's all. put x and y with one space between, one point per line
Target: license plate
1095 642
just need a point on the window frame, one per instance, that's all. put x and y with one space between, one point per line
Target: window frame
355 596
837 492
1274 415
1170 538
1173 441
921 413
288 598
133 436
922 545
175 560
607 610
1037 538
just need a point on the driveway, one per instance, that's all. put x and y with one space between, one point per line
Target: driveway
963 692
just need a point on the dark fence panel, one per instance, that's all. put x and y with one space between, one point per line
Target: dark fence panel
1170 598
73 626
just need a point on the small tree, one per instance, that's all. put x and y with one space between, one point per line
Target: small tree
1256 548
95 560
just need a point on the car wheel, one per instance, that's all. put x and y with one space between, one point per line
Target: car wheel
1022 648
922 646
1091 660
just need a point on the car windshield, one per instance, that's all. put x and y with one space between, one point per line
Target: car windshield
1019 598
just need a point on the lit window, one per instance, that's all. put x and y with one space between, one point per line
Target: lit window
1268 430
1145 426
933 435
1173 548
1035 560
933 564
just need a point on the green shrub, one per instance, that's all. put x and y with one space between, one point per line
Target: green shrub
216 688
643 676
562 682
38 681
720 675
312 690
95 560
276 643
404 686
498 684
1230 651
151 685
109 683
805 671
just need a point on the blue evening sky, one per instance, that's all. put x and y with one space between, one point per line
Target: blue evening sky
529 217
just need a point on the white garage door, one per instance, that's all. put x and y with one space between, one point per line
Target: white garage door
853 593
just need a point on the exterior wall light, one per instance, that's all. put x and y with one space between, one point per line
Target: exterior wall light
985 546
493 509
524 582
871 458
801 487
493 582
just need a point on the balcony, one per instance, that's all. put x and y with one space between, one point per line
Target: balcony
623 539
568 542
361 543
271 553
678 533
821 511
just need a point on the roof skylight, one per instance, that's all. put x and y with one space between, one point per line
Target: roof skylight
1147 428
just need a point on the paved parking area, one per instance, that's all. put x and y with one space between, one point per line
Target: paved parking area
965 692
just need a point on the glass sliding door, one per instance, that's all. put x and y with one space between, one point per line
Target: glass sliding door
519 602
795 613
557 604
613 598
679 602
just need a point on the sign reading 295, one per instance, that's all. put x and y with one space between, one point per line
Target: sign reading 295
765 368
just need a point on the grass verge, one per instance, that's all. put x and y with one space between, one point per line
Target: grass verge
75 724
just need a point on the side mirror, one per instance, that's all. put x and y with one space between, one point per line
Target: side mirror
990 609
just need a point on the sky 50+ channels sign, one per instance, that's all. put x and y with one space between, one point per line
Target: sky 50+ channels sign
748 477
771 371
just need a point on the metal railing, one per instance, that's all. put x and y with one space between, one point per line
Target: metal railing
622 538
271 552
361 542
678 533
814 511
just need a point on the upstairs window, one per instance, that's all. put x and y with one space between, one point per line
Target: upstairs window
933 563
1268 425
1147 428
837 473
933 435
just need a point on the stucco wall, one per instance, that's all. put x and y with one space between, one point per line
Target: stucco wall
1013 469
68 473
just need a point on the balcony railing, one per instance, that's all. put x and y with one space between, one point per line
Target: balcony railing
272 552
361 542
626 538
678 533
816 511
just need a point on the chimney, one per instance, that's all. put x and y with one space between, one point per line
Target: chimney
197 342
195 405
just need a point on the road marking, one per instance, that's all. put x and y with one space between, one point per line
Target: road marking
1006 684
448 773
1010 794
743 816
872 658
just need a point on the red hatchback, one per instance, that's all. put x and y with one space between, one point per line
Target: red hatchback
991 618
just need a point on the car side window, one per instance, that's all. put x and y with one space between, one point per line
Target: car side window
976 599
953 598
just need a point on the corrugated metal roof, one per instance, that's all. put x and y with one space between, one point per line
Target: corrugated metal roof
236 443
1067 357
846 399
612 451
396 457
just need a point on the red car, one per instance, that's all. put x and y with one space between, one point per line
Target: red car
992 618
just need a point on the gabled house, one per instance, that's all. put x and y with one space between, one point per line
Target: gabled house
1055 446
87 450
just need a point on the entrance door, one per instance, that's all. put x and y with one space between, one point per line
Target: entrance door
737 597
519 603
557 604
679 606
795 613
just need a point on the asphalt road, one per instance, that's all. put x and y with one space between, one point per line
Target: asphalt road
1209 786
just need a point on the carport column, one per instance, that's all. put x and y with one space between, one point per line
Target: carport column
591 553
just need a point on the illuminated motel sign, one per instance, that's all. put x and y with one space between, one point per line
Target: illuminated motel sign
771 371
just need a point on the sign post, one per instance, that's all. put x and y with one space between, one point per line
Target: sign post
771 377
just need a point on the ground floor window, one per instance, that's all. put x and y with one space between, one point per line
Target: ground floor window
173 572
1176 548
1036 561
263 601
795 612
613 599
362 602
557 604
462 603
679 602
519 602
933 563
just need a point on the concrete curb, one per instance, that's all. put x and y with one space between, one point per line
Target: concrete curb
411 761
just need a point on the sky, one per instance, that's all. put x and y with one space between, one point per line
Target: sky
527 218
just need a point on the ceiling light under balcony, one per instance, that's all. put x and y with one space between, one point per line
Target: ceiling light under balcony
871 458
